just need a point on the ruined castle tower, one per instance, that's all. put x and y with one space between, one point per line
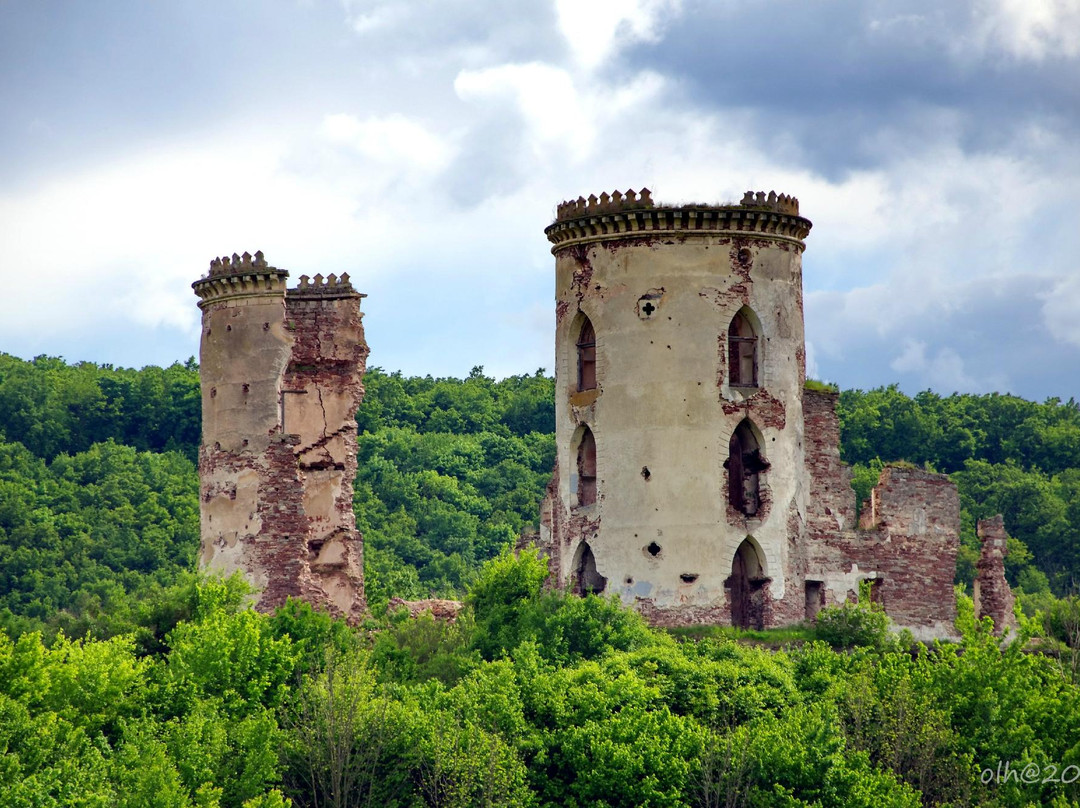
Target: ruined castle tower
696 477
281 372
680 365
992 595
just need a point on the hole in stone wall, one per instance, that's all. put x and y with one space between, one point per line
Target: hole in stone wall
213 392
746 257
815 597
688 577
587 579
246 388
228 328
266 326
653 549
629 581
645 472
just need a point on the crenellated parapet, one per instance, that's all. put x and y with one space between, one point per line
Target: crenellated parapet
332 287
636 216
781 203
238 277
605 203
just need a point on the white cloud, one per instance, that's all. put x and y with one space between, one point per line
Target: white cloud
544 95
393 141
1026 29
596 29
564 115
912 359
367 18
132 235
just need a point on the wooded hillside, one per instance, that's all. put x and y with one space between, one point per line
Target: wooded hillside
98 492
125 680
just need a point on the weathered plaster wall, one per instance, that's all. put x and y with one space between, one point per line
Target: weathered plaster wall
661 299
660 286
281 374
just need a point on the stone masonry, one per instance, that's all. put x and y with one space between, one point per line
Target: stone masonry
993 598
695 476
281 372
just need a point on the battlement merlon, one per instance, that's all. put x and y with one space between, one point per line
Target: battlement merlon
238 277
332 287
634 215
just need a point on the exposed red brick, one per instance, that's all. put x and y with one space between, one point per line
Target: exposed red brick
993 597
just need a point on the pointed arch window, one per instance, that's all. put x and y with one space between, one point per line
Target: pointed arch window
744 466
586 469
742 351
586 356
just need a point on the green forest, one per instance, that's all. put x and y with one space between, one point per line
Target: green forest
126 679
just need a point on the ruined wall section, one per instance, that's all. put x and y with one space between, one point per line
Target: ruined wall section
905 546
281 374
993 597
321 392
905 543
831 504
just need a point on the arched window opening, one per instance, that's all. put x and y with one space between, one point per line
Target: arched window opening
742 352
586 353
744 466
746 588
587 581
586 469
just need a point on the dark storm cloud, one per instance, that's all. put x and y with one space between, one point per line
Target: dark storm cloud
829 80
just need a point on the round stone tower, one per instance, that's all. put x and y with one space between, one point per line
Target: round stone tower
680 482
281 372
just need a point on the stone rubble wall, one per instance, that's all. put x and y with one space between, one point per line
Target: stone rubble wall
906 540
993 597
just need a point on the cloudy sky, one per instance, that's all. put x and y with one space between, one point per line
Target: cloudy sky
421 146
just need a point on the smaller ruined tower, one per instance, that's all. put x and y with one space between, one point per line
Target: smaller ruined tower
993 597
282 377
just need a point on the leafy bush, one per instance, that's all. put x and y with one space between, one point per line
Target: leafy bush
854 624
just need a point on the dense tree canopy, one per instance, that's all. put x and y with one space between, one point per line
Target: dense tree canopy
124 680
98 492
1007 455
530 698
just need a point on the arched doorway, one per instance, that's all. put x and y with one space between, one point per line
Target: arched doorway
587 581
746 587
